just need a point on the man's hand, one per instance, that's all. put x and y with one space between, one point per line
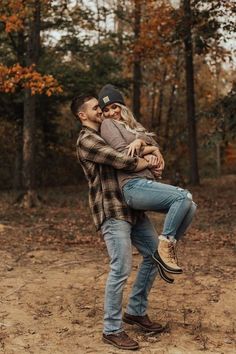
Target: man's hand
135 146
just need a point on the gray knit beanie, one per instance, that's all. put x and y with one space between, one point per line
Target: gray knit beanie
109 94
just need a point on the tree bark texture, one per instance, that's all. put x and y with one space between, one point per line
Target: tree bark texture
172 102
29 140
191 117
137 71
29 128
17 180
18 45
153 104
161 100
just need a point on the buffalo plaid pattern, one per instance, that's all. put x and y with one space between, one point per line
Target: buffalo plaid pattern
99 162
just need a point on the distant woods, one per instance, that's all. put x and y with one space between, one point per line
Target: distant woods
173 64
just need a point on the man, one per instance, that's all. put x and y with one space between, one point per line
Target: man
121 227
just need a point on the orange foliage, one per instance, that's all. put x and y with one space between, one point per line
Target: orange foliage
27 77
14 12
156 27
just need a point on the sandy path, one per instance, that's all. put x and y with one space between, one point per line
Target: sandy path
51 302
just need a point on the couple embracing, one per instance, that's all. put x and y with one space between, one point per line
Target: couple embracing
123 166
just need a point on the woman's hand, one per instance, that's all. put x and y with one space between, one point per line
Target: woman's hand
135 146
157 172
156 164
152 160
161 162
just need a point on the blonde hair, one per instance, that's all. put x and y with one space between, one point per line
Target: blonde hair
130 123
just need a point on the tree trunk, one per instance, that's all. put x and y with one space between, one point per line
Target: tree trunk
161 100
137 73
160 107
169 117
29 128
19 49
17 180
119 23
157 108
153 104
29 147
171 103
191 118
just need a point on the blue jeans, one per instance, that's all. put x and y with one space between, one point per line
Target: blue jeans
175 202
119 236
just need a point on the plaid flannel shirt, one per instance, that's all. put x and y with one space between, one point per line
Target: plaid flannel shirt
99 162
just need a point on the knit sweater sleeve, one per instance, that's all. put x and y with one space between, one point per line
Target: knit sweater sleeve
113 135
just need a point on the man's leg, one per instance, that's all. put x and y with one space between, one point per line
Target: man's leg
118 241
144 238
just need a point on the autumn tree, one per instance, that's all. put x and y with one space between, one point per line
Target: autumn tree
79 49
172 40
102 42
22 21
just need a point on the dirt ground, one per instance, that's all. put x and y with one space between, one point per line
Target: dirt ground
53 270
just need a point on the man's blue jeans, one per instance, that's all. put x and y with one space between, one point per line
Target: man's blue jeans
175 202
119 236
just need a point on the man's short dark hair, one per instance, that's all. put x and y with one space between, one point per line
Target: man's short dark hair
79 100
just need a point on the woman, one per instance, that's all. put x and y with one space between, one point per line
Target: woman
141 190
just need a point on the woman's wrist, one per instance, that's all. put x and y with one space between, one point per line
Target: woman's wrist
142 164
157 152
143 143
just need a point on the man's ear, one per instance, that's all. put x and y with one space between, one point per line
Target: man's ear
82 116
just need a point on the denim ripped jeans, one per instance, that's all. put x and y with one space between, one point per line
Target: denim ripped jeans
175 202
119 237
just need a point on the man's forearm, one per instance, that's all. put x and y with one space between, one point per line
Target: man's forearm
97 151
148 149
142 164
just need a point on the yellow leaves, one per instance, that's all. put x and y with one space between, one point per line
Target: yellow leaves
27 77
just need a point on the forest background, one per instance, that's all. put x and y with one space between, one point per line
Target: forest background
174 60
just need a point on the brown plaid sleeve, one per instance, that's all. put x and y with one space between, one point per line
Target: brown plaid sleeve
93 148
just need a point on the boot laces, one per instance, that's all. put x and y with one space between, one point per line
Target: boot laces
171 252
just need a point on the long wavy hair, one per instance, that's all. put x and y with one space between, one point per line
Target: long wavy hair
130 123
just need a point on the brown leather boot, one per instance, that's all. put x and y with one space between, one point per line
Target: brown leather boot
120 340
143 322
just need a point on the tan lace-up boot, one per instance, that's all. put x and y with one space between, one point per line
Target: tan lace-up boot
165 256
